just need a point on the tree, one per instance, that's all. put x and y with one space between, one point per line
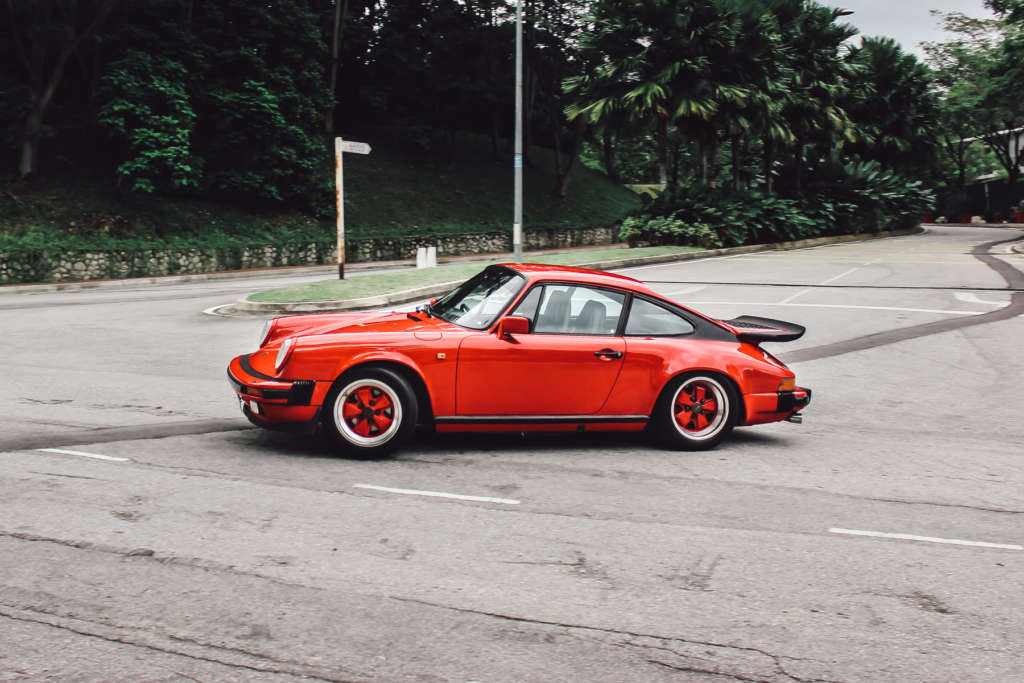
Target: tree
889 95
44 35
959 80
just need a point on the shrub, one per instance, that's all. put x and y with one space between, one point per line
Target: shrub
638 230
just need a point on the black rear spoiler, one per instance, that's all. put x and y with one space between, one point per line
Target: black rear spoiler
752 329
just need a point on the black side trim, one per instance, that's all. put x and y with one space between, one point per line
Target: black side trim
538 419
256 373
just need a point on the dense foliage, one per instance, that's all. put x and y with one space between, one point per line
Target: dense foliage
730 103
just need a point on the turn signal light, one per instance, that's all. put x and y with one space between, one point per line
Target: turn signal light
788 384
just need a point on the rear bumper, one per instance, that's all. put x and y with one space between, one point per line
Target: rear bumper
775 406
791 401
273 403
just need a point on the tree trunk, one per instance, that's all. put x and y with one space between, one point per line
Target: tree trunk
556 135
663 152
769 164
340 14
580 131
736 171
30 141
608 150
42 95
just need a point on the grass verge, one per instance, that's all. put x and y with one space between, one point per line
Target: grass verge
397 281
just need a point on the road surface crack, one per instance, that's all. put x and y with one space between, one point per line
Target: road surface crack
90 629
151 555
776 660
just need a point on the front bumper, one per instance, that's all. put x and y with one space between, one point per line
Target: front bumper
274 403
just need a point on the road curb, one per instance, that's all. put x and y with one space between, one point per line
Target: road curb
244 305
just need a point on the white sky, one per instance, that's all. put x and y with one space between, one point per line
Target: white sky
909 22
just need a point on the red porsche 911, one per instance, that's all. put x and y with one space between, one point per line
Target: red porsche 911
520 347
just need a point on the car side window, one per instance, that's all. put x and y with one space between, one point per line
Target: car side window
571 309
650 320
527 308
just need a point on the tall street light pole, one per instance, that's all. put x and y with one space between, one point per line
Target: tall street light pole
517 162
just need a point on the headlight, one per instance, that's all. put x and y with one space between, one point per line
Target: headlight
268 327
282 354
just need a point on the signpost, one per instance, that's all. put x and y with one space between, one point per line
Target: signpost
341 147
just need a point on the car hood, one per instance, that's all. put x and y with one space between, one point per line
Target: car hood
334 323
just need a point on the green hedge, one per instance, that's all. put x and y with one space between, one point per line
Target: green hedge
844 198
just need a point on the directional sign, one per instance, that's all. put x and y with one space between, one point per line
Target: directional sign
341 147
351 147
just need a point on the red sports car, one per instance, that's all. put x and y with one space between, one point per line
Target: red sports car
520 347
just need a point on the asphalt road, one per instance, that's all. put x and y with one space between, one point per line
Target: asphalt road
171 542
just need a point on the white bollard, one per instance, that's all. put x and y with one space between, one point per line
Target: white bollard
421 257
431 257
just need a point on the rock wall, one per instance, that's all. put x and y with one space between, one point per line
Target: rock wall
49 265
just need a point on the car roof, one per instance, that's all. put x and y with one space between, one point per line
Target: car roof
543 271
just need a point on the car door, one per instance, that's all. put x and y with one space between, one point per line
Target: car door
566 365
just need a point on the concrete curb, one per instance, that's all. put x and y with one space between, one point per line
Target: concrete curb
278 271
244 305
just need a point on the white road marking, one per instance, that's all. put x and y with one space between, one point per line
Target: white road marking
82 454
215 310
790 298
973 299
830 280
698 304
438 494
929 539
685 290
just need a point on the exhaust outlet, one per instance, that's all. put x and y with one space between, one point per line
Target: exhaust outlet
795 419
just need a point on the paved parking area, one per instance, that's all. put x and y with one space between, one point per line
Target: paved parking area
146 533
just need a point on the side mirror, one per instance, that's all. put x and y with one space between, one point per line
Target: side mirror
511 325
433 301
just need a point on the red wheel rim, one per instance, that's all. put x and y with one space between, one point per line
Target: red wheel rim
699 408
367 412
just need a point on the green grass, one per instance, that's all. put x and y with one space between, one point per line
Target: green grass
396 281
394 191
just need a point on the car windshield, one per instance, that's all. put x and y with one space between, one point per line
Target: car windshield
477 302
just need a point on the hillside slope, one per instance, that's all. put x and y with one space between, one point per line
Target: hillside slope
389 192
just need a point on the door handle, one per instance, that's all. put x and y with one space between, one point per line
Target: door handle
608 353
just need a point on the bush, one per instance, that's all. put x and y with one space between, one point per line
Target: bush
638 230
846 197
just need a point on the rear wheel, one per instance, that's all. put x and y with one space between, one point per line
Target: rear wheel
369 413
696 411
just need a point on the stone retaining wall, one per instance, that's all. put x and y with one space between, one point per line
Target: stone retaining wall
47 265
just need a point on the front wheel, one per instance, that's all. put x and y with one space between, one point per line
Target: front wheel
696 411
369 413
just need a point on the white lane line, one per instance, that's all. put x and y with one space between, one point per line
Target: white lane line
438 494
973 299
790 298
82 454
698 304
929 539
685 290
831 280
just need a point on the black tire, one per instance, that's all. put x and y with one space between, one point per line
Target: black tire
369 413
695 411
